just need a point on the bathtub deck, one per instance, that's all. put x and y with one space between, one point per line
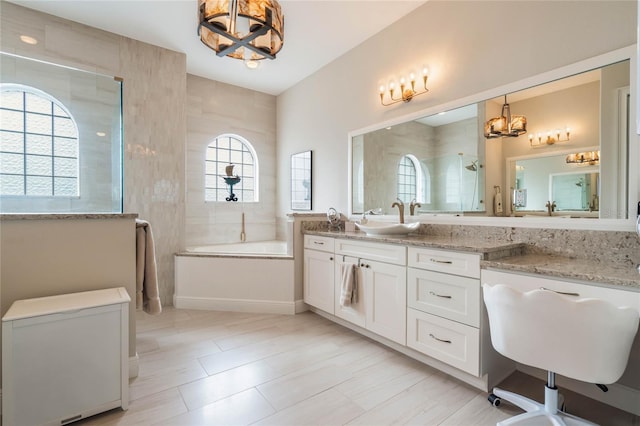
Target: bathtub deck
240 283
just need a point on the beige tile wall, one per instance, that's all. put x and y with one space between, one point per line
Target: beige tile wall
154 102
215 108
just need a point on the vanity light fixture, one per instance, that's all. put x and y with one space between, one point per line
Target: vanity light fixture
406 93
506 125
551 138
589 158
249 30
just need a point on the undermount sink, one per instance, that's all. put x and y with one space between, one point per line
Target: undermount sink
384 228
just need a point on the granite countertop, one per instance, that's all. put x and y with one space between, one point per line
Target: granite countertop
488 248
59 216
510 256
564 267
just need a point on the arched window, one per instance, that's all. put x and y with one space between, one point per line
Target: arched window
225 150
411 181
38 144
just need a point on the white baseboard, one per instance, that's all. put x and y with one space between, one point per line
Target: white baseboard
134 366
619 396
235 305
301 306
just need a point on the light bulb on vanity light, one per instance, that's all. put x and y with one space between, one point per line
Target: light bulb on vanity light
408 89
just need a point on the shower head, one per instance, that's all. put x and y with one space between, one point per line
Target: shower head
473 166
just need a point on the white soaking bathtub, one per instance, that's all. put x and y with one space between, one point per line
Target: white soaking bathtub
269 248
244 277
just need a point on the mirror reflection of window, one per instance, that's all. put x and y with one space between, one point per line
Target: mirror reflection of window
410 180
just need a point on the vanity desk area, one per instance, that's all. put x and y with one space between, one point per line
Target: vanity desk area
421 294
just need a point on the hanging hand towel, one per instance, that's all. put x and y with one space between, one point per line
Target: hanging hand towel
349 285
147 293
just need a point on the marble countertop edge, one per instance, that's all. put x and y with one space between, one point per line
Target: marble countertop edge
66 216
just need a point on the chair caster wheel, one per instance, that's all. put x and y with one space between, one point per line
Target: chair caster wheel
494 400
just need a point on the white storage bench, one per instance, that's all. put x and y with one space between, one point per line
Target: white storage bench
65 357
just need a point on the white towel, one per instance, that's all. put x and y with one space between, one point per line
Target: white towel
349 286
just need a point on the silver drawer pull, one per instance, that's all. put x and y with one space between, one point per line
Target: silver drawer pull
440 295
566 293
439 340
447 262
320 243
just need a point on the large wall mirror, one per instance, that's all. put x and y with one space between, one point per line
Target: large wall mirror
571 162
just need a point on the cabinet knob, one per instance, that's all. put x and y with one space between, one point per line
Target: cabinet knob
331 258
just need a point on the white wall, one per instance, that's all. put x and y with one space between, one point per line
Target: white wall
470 46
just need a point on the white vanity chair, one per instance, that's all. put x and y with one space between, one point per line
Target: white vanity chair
584 339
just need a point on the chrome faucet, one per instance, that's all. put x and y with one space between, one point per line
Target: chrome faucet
412 206
400 205
551 207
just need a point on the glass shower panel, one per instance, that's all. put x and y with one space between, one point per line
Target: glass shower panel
60 139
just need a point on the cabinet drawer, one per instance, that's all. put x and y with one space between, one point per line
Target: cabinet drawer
387 253
449 296
575 290
453 343
319 243
449 262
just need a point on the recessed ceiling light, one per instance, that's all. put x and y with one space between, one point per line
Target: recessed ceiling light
29 40
442 113
101 134
389 128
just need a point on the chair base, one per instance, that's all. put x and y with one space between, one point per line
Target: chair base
535 409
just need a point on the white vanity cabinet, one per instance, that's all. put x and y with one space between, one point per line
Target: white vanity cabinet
443 316
319 261
382 286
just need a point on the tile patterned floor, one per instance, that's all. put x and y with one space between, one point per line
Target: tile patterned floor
225 368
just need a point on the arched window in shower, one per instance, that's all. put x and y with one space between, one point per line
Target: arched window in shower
229 149
38 145
414 182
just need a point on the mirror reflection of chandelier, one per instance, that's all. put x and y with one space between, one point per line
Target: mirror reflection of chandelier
506 125
250 30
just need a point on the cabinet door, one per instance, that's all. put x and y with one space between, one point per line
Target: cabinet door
319 279
385 299
355 312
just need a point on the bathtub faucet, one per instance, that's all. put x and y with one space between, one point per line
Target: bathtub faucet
243 236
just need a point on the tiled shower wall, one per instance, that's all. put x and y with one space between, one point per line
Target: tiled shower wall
154 100
215 108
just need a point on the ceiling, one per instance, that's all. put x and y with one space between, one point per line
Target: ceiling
316 33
